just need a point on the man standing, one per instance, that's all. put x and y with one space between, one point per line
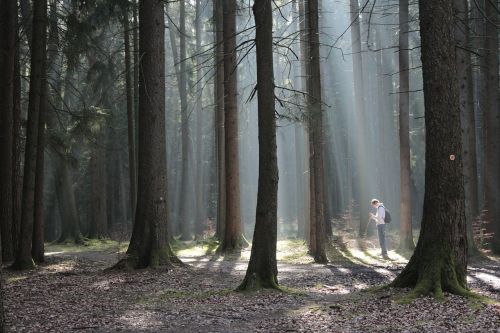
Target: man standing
379 219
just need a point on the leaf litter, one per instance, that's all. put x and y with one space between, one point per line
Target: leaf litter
72 292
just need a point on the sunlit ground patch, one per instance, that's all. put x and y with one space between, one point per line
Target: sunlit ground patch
293 251
12 279
107 245
489 279
140 320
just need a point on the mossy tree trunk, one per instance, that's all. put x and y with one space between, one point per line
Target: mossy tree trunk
262 269
149 246
439 262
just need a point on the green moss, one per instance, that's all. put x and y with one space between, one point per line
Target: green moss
376 289
293 291
255 282
295 257
88 245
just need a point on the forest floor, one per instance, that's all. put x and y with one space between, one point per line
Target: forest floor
72 292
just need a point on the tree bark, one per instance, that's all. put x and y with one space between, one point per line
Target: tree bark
8 15
199 184
219 119
316 130
405 229
468 123
37 247
38 62
17 151
492 125
439 262
262 269
480 98
186 168
233 234
135 32
149 245
130 114
309 198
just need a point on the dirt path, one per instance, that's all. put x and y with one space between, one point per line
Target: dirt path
72 292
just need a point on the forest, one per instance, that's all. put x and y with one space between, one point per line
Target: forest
249 166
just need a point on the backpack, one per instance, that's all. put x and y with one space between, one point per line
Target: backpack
387 218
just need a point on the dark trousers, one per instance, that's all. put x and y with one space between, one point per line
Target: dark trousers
381 238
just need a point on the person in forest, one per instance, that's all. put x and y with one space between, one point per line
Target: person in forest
379 218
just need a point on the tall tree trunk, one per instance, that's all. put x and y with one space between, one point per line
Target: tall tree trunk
37 247
405 229
468 124
480 97
306 74
492 124
135 32
219 119
8 30
186 168
38 62
316 130
233 234
149 246
17 156
130 114
262 271
176 202
199 186
309 198
439 262
300 173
